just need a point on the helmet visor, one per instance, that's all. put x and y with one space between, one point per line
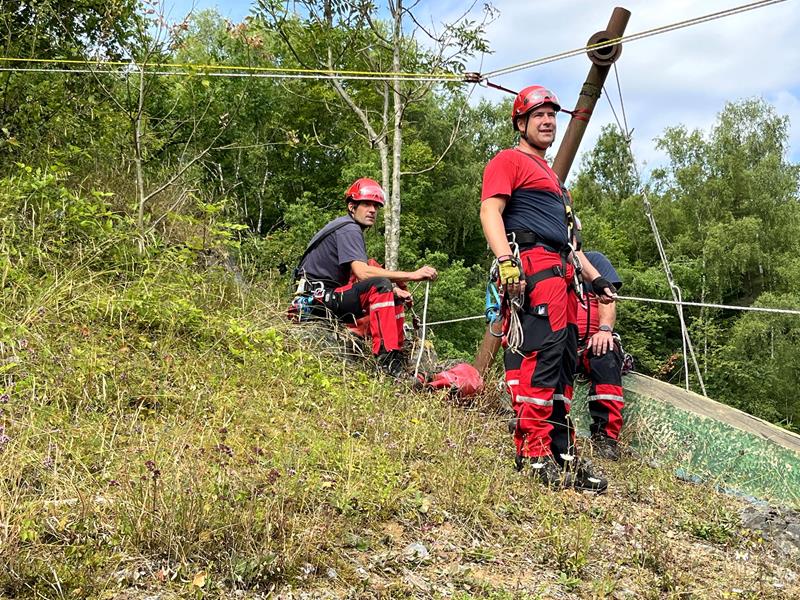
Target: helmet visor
542 96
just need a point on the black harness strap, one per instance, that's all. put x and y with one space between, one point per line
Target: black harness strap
528 239
548 273
314 244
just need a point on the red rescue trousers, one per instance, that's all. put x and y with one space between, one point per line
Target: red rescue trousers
373 297
540 375
605 390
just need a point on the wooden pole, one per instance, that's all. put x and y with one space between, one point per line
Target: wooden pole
602 59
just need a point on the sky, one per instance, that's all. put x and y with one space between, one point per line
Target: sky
683 77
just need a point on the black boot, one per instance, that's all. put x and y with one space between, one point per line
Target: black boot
585 476
604 447
548 472
391 363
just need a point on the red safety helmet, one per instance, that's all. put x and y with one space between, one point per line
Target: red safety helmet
365 190
531 98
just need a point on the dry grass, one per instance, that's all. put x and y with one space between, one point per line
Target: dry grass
164 436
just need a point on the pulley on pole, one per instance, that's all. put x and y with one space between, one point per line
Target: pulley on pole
602 59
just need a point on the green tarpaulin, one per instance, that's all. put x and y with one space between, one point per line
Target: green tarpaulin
707 440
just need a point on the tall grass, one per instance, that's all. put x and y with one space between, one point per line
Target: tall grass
161 428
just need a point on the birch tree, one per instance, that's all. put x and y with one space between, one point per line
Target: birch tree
339 36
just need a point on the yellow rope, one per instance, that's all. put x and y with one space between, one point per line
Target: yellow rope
221 67
237 70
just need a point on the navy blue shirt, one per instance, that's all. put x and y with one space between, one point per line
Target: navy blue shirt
604 267
330 261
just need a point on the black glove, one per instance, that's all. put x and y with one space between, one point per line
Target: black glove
599 285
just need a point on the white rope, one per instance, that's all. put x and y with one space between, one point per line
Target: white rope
631 37
456 320
763 309
684 340
424 328
781 311
515 335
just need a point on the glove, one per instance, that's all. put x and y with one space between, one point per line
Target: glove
510 273
599 285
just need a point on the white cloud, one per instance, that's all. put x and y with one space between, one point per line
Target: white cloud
680 77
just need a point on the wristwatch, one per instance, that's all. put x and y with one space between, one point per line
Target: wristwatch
605 328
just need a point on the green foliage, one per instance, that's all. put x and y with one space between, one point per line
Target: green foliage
48 110
457 293
727 209
160 426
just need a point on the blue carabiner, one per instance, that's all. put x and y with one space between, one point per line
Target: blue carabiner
493 303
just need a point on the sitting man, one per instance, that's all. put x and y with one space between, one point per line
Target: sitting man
335 270
600 359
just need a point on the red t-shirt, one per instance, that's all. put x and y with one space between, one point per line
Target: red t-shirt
535 195
513 169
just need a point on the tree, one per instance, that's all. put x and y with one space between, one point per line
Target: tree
339 36
45 110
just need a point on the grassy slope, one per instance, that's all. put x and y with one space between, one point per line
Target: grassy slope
160 441
163 434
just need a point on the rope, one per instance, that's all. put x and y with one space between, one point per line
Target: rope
673 287
762 309
515 335
633 37
191 68
685 341
218 74
424 328
780 311
457 320
621 100
613 110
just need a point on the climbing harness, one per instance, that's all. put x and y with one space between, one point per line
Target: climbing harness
571 221
501 307
308 292
306 295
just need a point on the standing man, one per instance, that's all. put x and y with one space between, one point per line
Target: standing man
600 359
336 271
524 202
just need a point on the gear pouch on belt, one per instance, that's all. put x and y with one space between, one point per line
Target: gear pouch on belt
536 328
